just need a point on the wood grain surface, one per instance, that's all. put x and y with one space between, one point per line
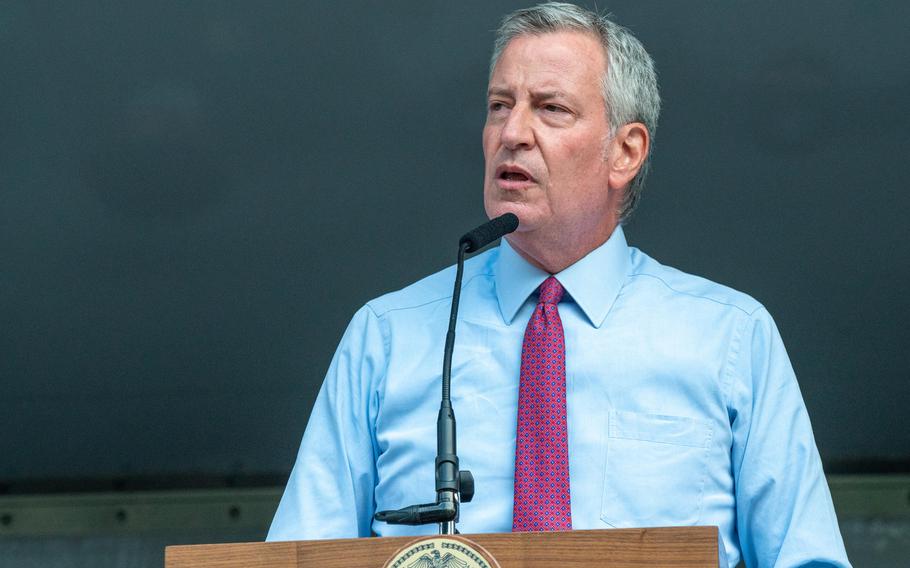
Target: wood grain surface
676 547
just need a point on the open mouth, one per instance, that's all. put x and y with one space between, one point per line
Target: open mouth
513 173
514 176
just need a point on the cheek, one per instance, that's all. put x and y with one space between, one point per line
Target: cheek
589 159
586 170
577 179
488 142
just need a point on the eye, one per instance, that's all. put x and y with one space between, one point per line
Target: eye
554 108
495 106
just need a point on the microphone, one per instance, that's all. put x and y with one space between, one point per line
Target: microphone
453 486
489 232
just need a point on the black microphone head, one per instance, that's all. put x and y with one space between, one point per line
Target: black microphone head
489 232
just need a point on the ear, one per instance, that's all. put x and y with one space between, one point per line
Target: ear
627 152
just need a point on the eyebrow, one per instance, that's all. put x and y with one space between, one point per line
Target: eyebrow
537 96
547 95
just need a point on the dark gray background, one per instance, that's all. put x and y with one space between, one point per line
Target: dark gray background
196 196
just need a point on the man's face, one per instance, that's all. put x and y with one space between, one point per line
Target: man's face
545 141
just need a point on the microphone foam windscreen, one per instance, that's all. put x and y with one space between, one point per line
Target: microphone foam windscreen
489 232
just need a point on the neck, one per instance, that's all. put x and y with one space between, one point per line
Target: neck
551 259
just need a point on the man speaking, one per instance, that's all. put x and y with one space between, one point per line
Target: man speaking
594 387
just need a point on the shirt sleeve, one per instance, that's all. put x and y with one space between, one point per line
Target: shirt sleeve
785 516
330 491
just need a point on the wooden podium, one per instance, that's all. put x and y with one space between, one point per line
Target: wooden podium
676 547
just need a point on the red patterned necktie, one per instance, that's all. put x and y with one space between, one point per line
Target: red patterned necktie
542 500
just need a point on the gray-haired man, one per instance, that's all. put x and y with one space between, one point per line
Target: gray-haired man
676 402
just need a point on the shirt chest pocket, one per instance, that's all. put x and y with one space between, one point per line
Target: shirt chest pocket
655 469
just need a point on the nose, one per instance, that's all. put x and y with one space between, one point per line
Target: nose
517 131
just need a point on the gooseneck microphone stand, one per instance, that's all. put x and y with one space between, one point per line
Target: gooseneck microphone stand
453 485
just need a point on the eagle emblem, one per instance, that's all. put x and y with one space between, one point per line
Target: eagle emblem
442 552
435 560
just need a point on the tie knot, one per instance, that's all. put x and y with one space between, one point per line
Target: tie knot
550 291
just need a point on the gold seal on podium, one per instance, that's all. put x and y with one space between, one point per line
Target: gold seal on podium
442 552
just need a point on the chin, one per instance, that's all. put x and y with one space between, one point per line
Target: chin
501 207
529 217
499 211
494 210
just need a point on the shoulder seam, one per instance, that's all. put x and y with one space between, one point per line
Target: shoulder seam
428 302
701 297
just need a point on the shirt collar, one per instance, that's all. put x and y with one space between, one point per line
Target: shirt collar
593 282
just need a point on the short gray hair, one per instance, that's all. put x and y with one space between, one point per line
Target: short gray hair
629 81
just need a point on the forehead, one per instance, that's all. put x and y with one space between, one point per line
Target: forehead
556 59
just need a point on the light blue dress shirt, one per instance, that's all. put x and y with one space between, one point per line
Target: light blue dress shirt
683 409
